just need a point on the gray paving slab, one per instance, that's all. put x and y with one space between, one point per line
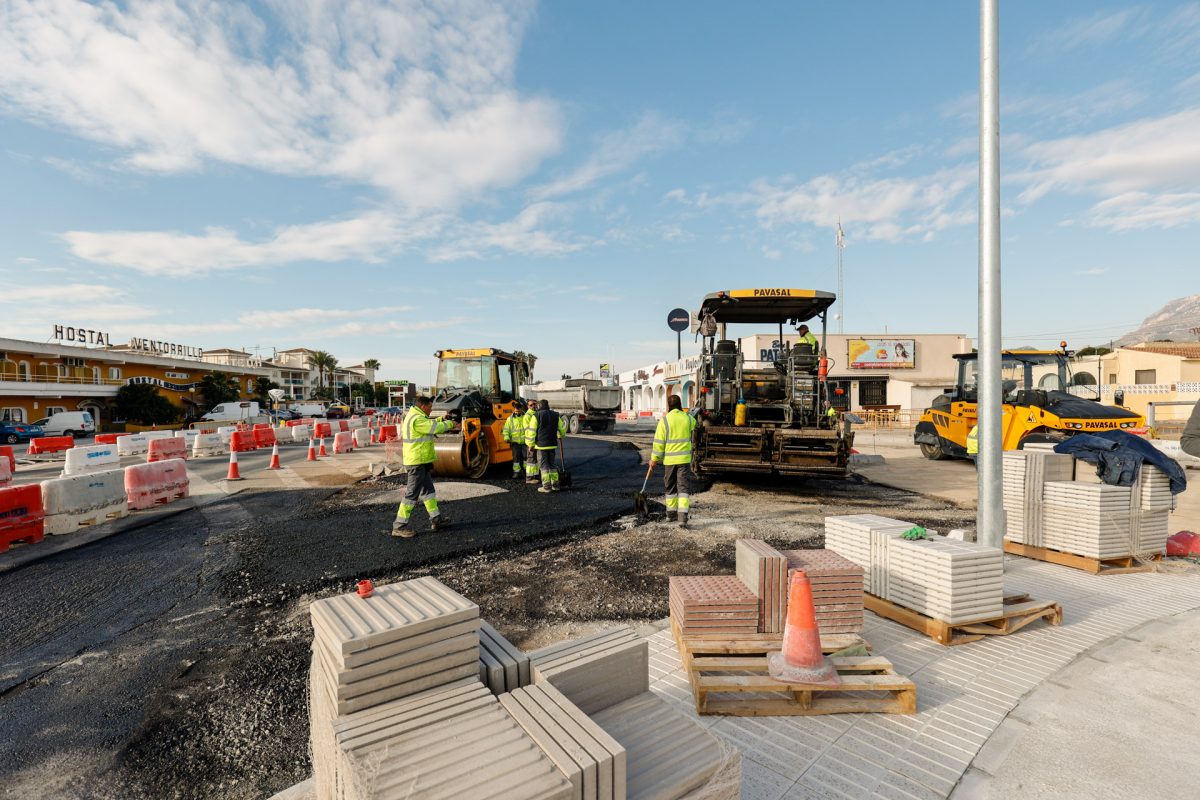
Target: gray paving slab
514 662
964 693
597 678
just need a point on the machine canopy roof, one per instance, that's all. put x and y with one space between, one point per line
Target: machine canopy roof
1025 356
766 305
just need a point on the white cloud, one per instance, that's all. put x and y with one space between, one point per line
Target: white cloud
369 237
1090 31
524 234
392 327
615 153
1143 173
309 316
1093 272
416 98
60 293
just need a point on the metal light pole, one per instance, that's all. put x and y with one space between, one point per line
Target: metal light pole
990 521
841 295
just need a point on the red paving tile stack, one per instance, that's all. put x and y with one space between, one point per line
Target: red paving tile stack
837 586
713 604
763 570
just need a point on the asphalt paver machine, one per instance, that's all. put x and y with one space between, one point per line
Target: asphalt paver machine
766 417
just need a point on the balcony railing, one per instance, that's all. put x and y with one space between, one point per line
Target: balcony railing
71 379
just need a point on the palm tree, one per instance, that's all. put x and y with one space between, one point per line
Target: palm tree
322 362
219 387
372 363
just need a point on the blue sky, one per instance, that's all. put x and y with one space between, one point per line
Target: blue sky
383 179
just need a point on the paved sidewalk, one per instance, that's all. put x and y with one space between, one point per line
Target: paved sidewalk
964 692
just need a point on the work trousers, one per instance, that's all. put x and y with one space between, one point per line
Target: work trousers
518 455
419 488
547 463
677 481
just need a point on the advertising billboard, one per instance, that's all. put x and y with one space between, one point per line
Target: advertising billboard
882 353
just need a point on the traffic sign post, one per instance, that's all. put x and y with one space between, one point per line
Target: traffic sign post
678 320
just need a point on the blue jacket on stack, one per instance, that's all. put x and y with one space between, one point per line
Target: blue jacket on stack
1118 457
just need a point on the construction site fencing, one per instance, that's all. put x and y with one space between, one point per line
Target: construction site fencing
93 458
165 449
148 485
887 419
78 500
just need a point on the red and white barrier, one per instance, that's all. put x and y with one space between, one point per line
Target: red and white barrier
208 444
93 458
6 453
166 449
48 445
264 437
22 518
148 485
343 442
89 499
241 442
362 437
388 433
301 433
6 472
322 430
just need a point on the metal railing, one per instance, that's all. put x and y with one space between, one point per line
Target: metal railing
889 419
13 377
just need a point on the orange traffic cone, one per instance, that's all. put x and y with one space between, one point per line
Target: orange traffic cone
312 450
274 457
373 439
321 453
801 660
233 474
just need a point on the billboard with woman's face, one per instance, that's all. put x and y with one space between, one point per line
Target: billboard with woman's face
882 353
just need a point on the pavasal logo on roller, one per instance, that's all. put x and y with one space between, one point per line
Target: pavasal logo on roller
772 292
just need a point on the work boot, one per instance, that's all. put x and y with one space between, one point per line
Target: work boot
402 530
440 522
671 516
532 481
554 487
683 520
544 488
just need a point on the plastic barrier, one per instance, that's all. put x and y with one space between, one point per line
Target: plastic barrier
242 441
50 444
93 458
343 425
188 436
388 433
22 518
301 433
166 449
152 435
78 500
322 430
6 453
258 426
226 431
264 437
356 422
6 472
109 438
208 444
136 444
343 442
362 437
148 485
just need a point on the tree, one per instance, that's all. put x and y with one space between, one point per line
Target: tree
263 385
322 362
372 364
364 390
528 359
1092 351
382 396
141 403
219 387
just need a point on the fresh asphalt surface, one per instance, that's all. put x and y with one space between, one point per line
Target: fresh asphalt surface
170 660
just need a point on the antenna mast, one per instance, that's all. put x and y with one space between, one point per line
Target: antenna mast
841 296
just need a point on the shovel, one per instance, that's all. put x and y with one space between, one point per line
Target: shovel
564 477
641 506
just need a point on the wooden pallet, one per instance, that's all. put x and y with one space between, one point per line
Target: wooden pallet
1019 611
735 669
1097 566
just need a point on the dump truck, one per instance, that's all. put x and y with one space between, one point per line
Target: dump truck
584 403
1046 414
477 388
766 417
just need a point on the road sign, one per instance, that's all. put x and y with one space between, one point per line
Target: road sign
678 320
395 383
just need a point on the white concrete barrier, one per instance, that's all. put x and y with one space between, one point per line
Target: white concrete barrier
152 435
362 437
93 458
301 433
343 442
136 444
89 499
188 436
1171 448
356 423
209 444
226 433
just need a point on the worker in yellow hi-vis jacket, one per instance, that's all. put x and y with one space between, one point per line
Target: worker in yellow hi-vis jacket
673 447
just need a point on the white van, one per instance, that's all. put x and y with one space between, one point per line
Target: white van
308 409
68 423
235 412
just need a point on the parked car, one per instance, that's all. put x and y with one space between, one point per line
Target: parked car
13 432
284 414
76 424
337 411
391 410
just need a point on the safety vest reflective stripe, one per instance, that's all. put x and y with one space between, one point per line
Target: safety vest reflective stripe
673 438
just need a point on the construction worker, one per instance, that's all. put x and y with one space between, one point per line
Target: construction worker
417 433
530 421
831 414
673 446
973 444
551 428
806 337
514 433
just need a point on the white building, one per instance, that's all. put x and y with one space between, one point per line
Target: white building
290 369
904 371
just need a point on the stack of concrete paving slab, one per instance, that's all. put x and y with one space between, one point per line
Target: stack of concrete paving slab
595 669
948 580
1089 519
763 570
406 638
449 743
592 761
502 666
837 587
862 538
1025 475
713 604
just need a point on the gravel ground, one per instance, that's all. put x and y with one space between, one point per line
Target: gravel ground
170 662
